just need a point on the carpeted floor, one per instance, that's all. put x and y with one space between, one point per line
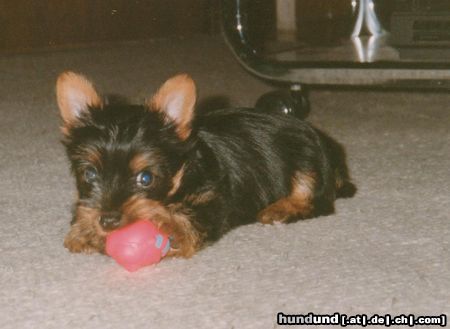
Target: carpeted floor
385 251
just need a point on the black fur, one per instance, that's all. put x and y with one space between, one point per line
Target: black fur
245 159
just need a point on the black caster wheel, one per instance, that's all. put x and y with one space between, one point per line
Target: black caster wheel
290 102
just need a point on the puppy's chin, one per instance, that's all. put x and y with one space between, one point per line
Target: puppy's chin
105 231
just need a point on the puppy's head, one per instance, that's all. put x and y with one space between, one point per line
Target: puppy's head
127 159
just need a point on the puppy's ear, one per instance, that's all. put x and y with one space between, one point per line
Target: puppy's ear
176 99
75 95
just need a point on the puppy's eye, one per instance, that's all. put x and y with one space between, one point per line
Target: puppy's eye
90 174
144 178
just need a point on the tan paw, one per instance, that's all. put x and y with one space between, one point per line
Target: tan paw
271 215
78 245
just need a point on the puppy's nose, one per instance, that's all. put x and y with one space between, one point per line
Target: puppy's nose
110 220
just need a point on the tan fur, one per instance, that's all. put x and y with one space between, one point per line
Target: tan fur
85 234
139 163
173 220
72 89
200 198
179 86
176 181
91 156
298 203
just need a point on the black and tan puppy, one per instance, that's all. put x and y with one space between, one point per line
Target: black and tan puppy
196 177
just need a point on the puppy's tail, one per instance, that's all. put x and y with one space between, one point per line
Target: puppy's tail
344 188
336 154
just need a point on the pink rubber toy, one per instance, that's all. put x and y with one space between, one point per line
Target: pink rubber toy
137 245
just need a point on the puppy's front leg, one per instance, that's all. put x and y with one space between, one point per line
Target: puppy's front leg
83 237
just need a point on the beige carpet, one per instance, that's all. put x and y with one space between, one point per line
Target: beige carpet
384 251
